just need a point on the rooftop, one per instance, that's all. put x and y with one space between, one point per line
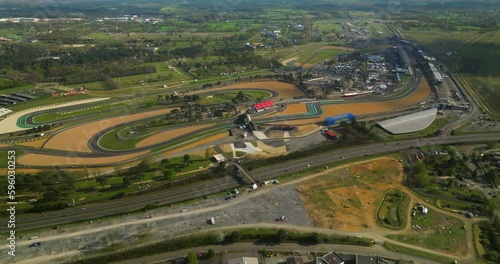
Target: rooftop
263 105
410 123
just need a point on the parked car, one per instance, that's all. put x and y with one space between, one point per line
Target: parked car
35 244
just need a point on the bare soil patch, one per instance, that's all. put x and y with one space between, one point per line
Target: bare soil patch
167 135
76 138
268 151
285 90
291 109
52 160
304 130
347 199
285 62
35 143
337 48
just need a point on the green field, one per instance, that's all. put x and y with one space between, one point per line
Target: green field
49 101
107 108
474 57
318 55
226 96
392 211
437 231
411 251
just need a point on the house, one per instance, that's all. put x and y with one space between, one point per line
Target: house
294 260
330 258
243 260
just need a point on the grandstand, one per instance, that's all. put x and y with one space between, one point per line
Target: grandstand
437 75
410 123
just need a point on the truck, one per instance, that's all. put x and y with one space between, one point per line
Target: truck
331 134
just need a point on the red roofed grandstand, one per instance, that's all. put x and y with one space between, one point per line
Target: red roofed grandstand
259 107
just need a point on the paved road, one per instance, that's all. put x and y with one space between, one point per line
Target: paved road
31 221
254 248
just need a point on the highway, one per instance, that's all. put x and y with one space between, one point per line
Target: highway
32 221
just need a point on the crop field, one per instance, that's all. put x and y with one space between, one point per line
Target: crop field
393 209
479 65
347 198
439 41
436 231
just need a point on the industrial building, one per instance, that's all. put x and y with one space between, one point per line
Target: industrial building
335 120
410 123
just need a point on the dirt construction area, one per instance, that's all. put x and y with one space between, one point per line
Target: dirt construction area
347 199
50 160
77 138
285 90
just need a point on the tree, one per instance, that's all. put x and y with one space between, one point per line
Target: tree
144 165
102 181
169 174
186 159
210 254
165 163
235 236
492 255
126 181
282 235
191 258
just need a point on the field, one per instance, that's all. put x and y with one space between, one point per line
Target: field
436 231
108 108
347 199
226 96
76 139
320 55
284 90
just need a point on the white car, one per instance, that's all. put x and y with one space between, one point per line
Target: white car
308 165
